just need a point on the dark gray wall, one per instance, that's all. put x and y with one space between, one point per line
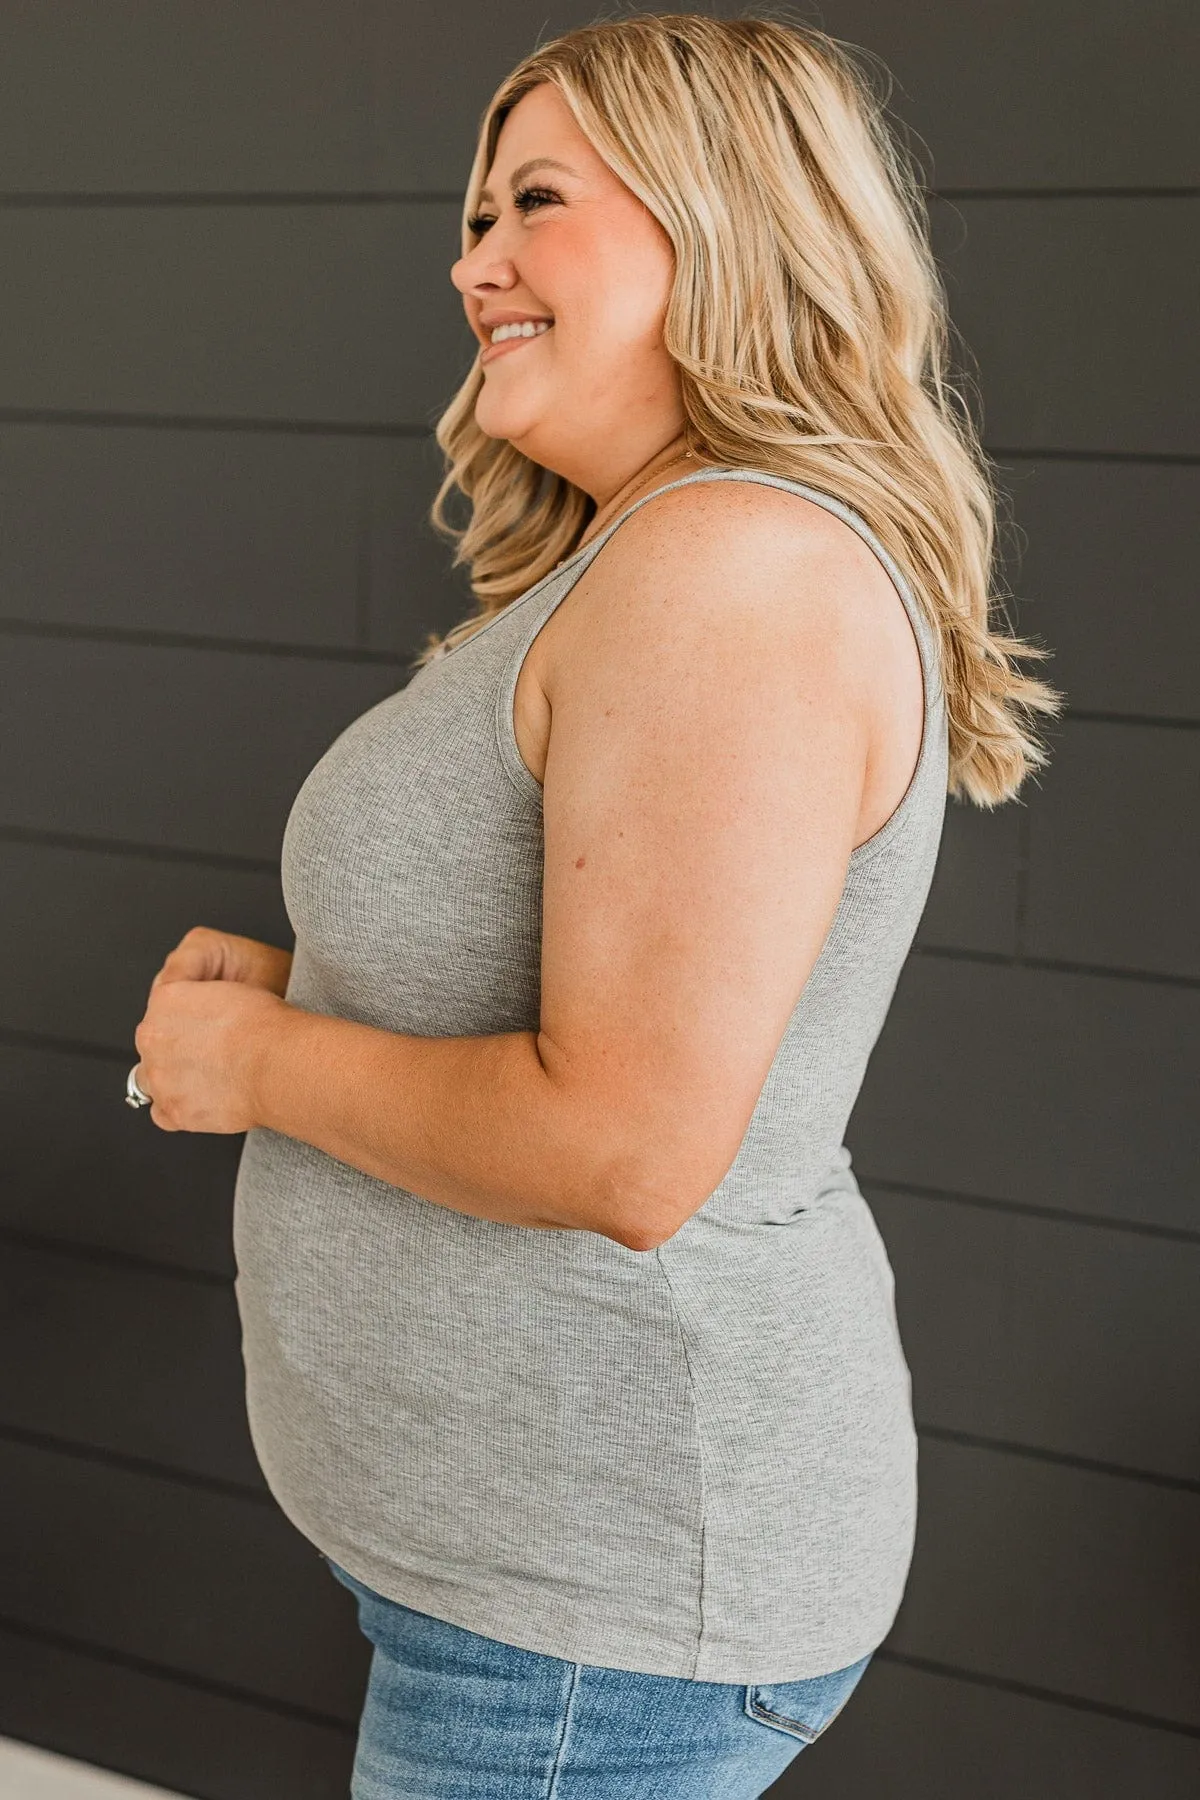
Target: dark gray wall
225 330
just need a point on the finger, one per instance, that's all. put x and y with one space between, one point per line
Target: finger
161 1120
195 963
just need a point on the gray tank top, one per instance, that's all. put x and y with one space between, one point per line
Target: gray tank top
696 1461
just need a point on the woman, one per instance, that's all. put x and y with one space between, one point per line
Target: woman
569 1339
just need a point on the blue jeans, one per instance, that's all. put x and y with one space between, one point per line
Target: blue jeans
450 1715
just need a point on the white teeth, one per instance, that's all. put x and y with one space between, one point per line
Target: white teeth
526 328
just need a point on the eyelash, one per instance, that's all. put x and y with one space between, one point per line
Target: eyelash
479 222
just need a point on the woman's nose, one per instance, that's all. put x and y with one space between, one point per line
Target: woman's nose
477 273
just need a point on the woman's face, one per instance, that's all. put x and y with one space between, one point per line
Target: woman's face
565 243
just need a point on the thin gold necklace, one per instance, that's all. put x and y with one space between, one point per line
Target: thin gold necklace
688 456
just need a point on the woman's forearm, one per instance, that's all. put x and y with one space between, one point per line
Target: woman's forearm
476 1124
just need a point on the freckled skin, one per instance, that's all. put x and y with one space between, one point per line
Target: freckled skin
579 862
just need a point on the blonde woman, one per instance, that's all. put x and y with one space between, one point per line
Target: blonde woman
570 1342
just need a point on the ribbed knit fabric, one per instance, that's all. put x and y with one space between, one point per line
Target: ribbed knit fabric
697 1461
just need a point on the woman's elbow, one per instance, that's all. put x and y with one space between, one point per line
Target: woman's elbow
641 1210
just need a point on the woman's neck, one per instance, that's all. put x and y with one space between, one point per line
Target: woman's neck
673 460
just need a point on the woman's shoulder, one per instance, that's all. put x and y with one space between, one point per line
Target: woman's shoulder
745 553
732 512
754 600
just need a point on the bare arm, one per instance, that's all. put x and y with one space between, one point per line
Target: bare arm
333 1083
703 790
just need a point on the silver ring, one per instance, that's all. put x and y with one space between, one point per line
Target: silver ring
133 1093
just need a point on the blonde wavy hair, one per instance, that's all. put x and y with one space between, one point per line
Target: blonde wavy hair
808 322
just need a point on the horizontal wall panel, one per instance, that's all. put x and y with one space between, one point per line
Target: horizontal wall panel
197 1582
412 588
433 72
232 94
1019 94
254 535
155 1729
908 1734
1106 579
1050 295
1037 1332
190 749
1035 1572
85 933
127 1360
1062 1090
365 97
193 1580
341 314
79 1166
1069 1091
215 533
291 538
910 1731
973 901
347 314
1114 868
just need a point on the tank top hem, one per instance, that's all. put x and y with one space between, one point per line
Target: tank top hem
507 1618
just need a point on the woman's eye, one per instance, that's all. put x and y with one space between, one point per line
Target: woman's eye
525 200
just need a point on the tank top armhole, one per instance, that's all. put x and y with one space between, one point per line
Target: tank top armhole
527 783
931 763
522 778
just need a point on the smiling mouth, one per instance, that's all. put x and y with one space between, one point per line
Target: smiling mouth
519 328
491 350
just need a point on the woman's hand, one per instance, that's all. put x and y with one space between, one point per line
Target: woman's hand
201 1045
203 954
209 1017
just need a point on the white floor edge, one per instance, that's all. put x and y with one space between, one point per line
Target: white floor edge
27 1773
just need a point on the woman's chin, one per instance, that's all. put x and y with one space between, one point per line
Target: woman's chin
508 407
497 420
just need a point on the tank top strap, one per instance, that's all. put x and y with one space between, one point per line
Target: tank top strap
927 789
922 629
